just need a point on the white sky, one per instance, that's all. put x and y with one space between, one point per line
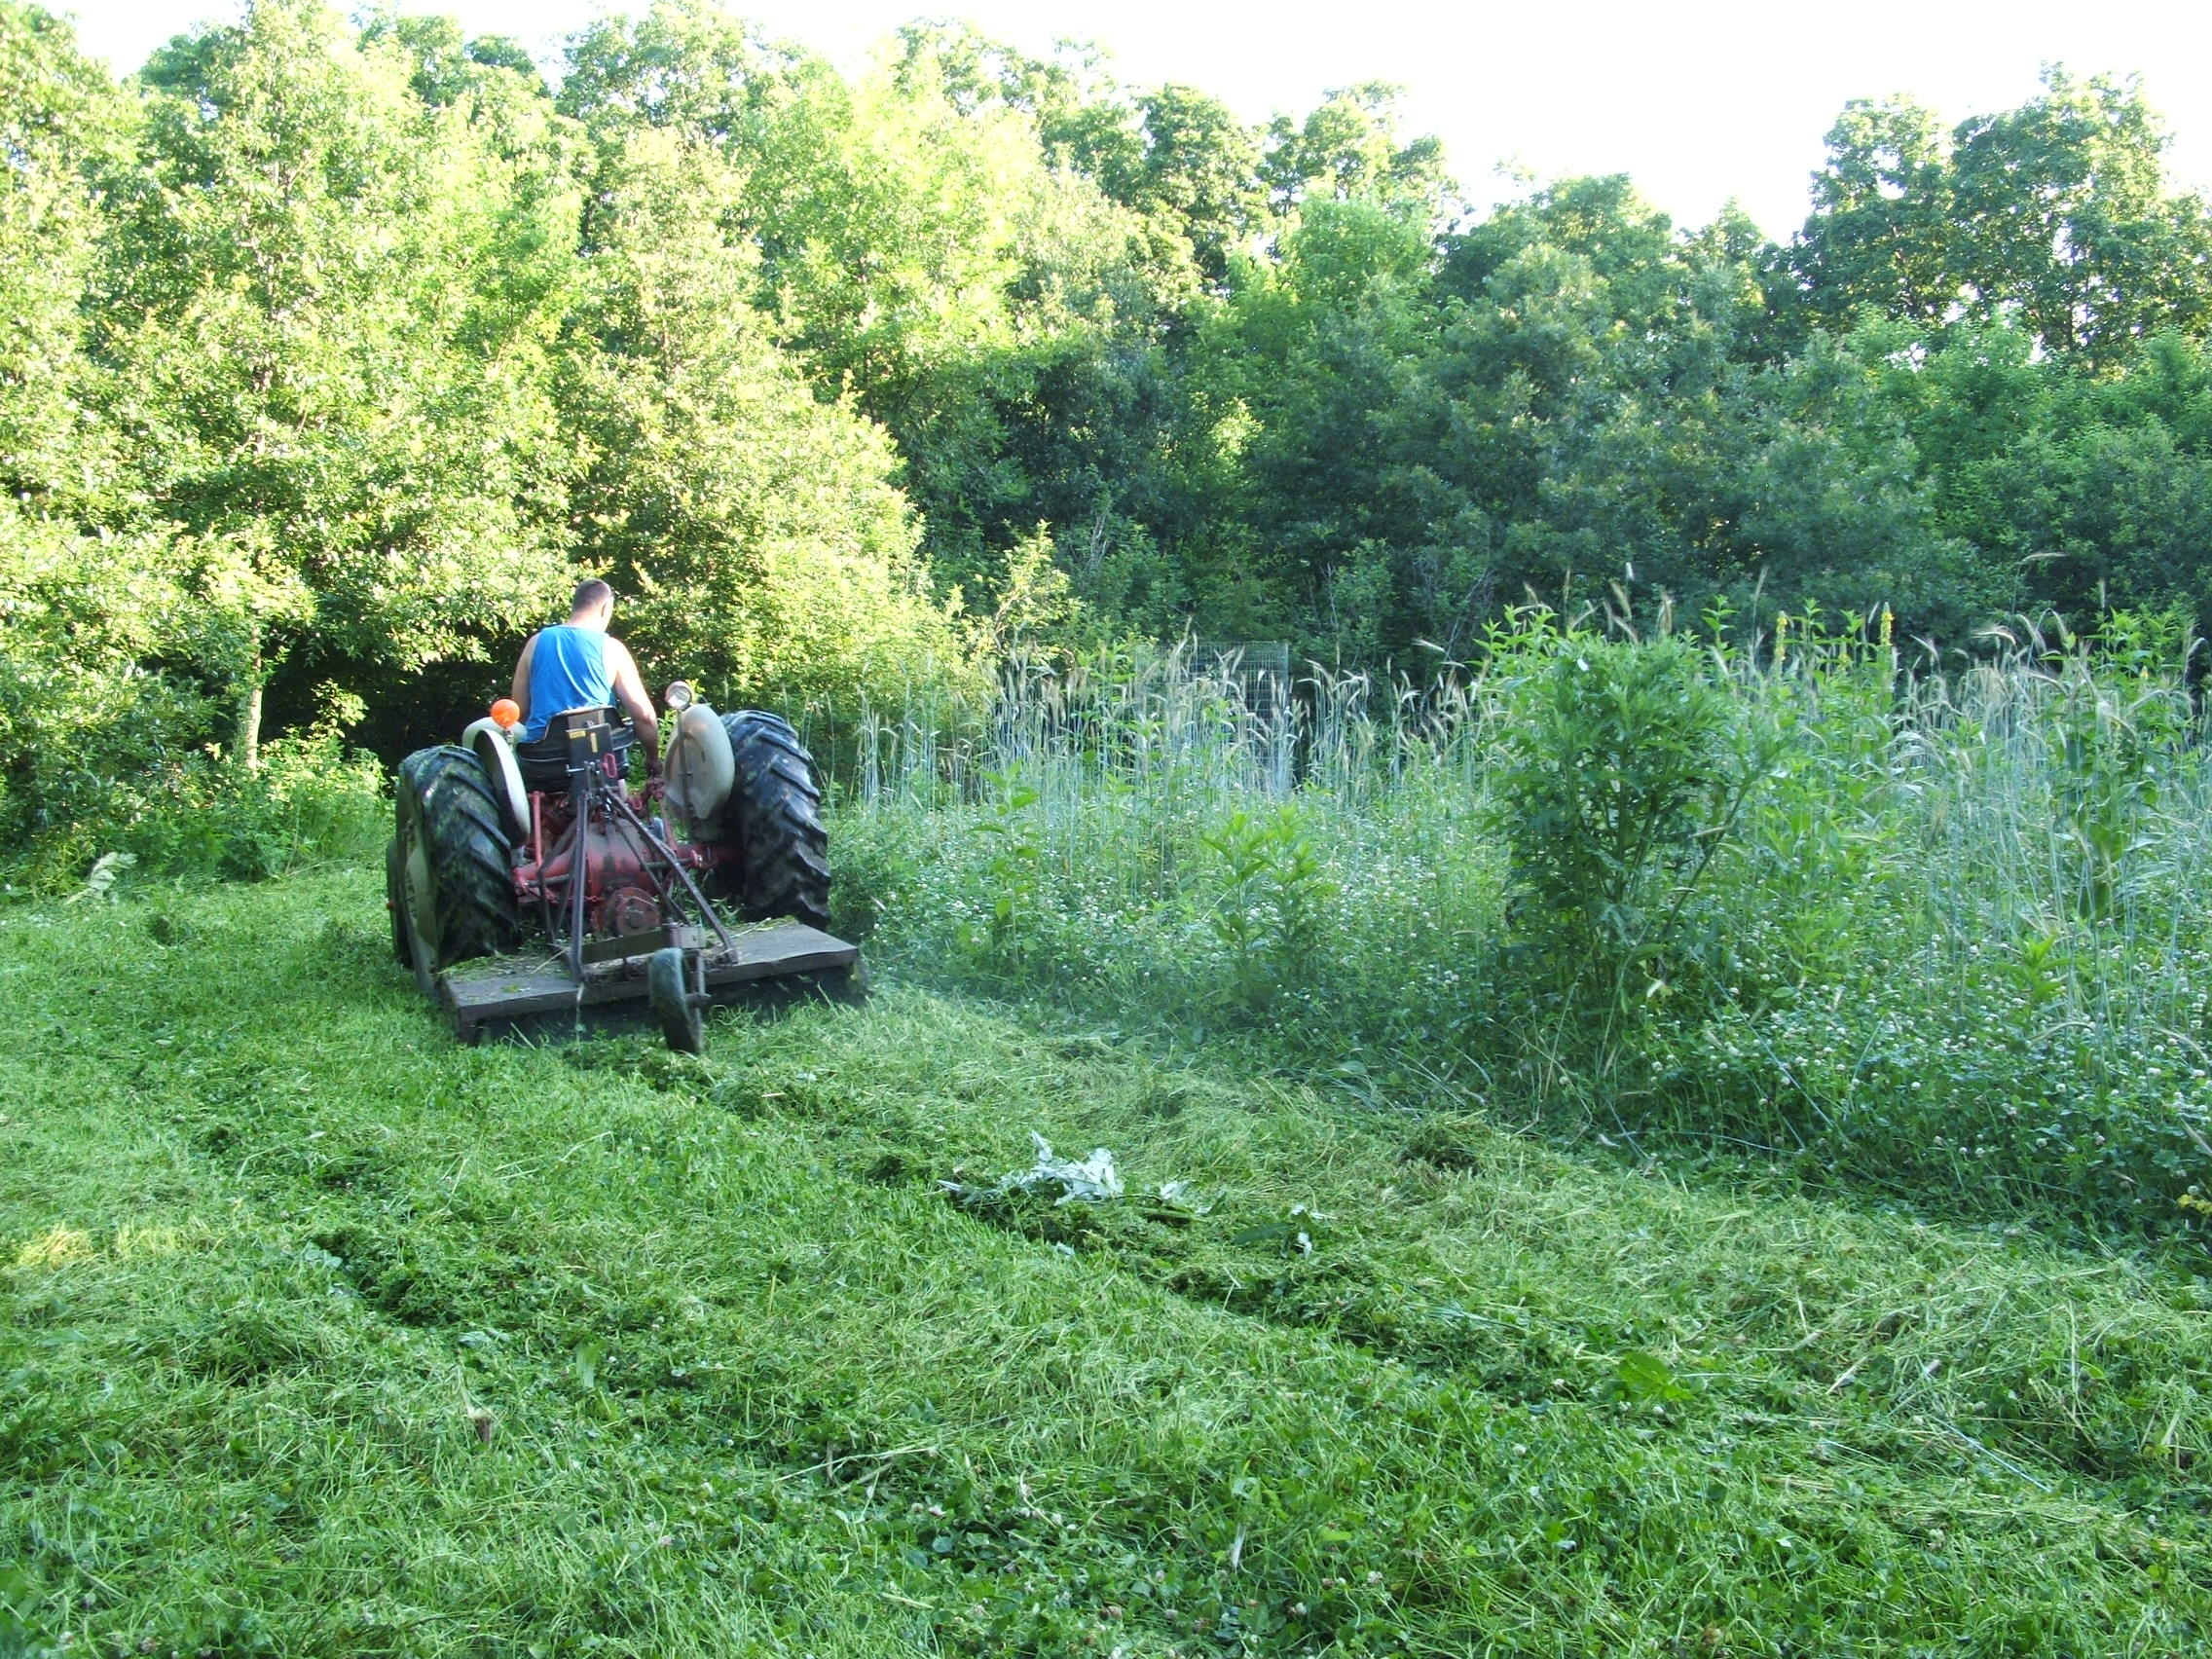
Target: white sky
1698 99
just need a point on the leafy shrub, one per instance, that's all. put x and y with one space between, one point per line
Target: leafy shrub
1267 911
2109 733
197 816
100 755
1614 782
873 874
1003 937
311 800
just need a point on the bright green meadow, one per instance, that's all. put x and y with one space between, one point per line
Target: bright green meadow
1676 1125
1425 1324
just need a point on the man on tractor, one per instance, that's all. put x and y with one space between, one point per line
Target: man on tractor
498 843
578 665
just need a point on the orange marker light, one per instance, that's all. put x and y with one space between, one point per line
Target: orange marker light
506 713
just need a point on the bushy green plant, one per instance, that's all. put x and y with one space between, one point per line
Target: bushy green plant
1269 907
2110 726
1003 939
193 814
1618 774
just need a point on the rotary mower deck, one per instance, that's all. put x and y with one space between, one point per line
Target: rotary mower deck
533 993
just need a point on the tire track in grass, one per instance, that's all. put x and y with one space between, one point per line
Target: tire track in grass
1445 1242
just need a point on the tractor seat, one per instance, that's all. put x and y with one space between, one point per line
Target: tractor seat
572 738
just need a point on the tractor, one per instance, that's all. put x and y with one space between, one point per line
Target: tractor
529 881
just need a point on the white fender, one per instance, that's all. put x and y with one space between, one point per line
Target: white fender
494 752
699 768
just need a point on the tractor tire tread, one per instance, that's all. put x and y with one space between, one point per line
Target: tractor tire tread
477 913
774 814
394 902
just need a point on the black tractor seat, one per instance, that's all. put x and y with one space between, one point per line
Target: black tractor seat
574 740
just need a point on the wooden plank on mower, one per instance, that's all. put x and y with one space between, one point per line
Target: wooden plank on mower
516 988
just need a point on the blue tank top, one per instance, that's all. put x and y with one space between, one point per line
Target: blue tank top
567 671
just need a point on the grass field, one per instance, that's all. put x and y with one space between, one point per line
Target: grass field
319 1335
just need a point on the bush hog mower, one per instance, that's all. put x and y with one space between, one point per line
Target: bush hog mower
529 881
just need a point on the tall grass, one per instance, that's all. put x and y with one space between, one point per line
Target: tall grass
1941 934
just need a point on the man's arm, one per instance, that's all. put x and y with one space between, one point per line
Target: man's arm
521 690
630 690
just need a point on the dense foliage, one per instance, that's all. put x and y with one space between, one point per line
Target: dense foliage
331 355
1943 939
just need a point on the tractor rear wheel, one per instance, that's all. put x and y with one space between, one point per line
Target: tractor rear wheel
449 860
395 901
774 815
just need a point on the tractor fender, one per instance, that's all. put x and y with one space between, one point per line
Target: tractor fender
495 752
699 768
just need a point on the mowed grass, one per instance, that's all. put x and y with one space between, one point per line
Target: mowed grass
320 1335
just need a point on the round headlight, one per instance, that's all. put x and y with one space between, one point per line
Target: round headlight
679 696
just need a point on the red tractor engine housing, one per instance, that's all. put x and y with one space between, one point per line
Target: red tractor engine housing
621 888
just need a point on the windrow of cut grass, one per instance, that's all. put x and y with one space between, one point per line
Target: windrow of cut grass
320 1335
1946 940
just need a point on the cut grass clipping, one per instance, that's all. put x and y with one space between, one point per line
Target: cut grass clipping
323 1336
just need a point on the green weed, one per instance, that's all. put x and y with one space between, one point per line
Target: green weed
1268 910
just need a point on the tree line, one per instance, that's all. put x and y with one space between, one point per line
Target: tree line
330 354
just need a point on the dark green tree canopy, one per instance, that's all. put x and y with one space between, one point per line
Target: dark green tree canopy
2055 216
333 352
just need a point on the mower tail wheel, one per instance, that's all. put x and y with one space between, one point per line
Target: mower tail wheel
681 1021
774 815
449 862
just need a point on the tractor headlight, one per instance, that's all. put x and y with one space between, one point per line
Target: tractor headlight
679 695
